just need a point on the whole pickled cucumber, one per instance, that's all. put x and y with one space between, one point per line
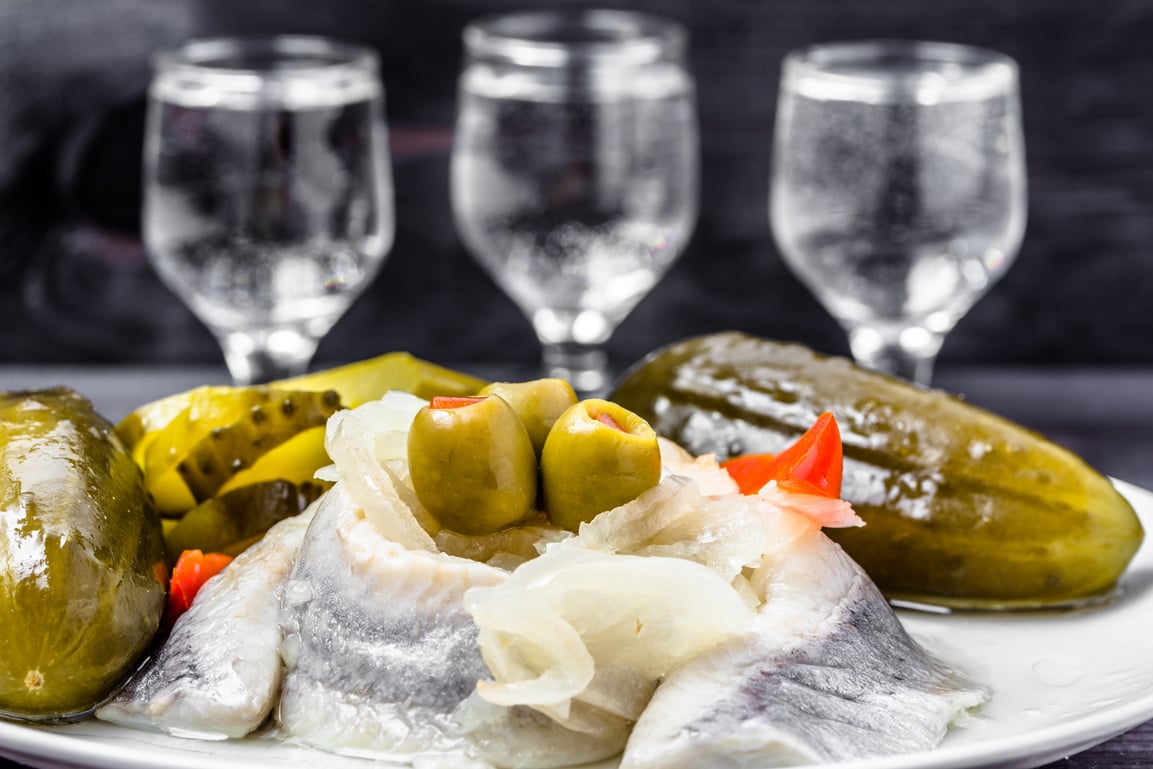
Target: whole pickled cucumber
81 557
963 508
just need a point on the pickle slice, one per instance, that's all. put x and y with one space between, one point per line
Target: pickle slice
370 379
356 383
200 442
225 451
164 444
164 451
296 461
233 520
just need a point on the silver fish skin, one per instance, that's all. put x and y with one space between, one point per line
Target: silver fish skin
827 674
218 674
378 650
382 658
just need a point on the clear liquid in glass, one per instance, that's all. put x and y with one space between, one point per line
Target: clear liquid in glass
898 212
576 197
268 218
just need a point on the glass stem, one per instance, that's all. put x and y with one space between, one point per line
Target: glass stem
906 352
265 356
585 366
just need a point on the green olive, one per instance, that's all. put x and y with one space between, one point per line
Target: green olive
598 456
472 464
538 403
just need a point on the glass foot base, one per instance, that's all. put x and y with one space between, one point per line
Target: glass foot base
585 368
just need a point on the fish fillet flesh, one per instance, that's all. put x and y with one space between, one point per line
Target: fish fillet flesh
218 674
826 674
382 658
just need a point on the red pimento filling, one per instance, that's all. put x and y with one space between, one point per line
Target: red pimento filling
606 419
453 401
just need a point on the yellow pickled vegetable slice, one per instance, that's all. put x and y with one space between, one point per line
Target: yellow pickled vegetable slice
356 383
170 493
370 379
225 451
143 424
161 435
173 425
296 461
221 432
206 408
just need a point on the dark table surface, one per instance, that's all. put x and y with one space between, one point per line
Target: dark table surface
1104 414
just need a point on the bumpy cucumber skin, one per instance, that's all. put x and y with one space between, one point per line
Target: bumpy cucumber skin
963 508
228 449
81 557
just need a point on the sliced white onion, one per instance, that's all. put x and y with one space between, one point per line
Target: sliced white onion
574 613
354 440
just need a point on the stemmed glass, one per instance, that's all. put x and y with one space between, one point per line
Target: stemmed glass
574 171
898 188
268 194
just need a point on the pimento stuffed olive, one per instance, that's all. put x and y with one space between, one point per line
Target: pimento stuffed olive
472 464
598 455
538 403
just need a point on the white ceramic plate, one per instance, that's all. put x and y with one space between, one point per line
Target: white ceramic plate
1062 682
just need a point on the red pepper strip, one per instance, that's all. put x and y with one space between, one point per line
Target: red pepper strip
453 401
750 471
193 568
811 465
814 463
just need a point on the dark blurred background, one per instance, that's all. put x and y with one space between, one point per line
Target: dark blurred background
75 284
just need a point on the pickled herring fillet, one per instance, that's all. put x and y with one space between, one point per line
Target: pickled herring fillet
382 659
219 672
827 674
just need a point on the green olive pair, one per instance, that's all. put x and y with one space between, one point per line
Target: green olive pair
480 464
